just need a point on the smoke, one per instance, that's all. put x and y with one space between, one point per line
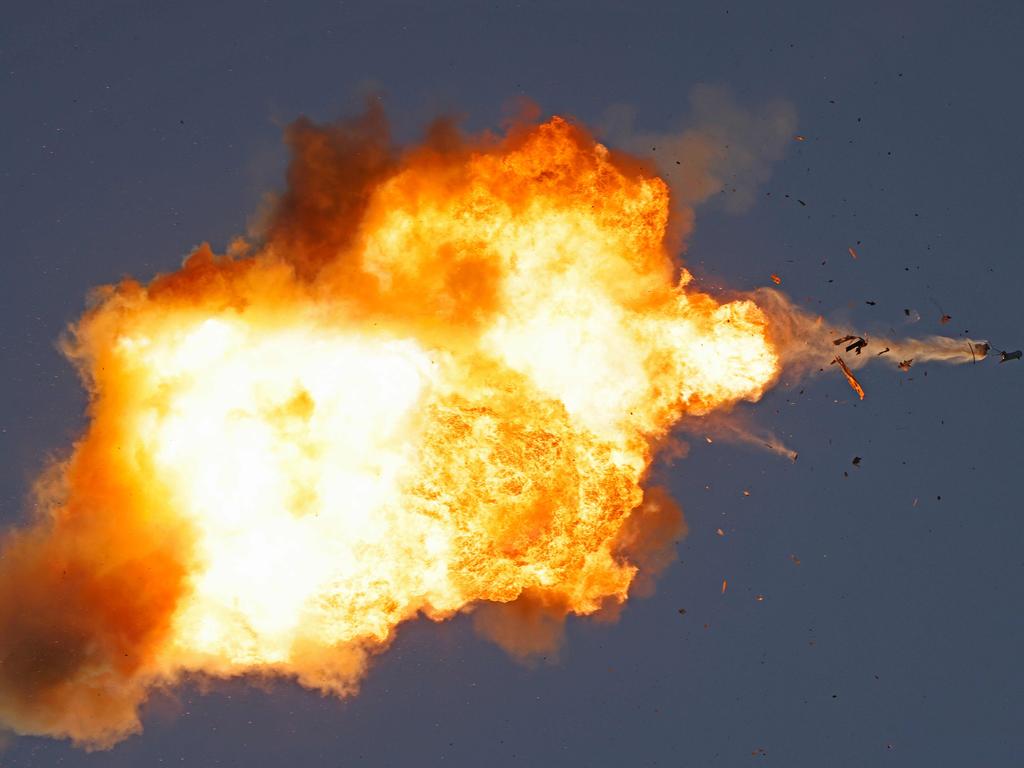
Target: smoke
333 170
737 427
533 626
649 537
806 342
724 149
529 628
932 349
86 596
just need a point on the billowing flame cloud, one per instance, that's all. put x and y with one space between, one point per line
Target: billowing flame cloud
437 384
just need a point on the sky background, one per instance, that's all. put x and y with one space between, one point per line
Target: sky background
133 131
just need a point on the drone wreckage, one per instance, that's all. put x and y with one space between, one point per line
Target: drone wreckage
979 351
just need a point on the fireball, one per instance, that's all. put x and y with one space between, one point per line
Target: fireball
438 382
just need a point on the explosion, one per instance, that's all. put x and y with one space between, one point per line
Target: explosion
435 385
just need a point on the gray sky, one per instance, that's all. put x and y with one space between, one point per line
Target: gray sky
131 132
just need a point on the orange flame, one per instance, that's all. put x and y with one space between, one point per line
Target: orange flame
850 378
438 383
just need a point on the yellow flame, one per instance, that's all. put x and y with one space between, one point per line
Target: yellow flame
461 407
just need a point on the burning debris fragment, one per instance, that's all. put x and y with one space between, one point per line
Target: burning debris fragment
905 364
978 349
1007 356
850 378
944 317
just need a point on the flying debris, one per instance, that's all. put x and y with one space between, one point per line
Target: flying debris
776 279
882 352
945 317
857 343
905 364
853 253
1004 356
850 378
